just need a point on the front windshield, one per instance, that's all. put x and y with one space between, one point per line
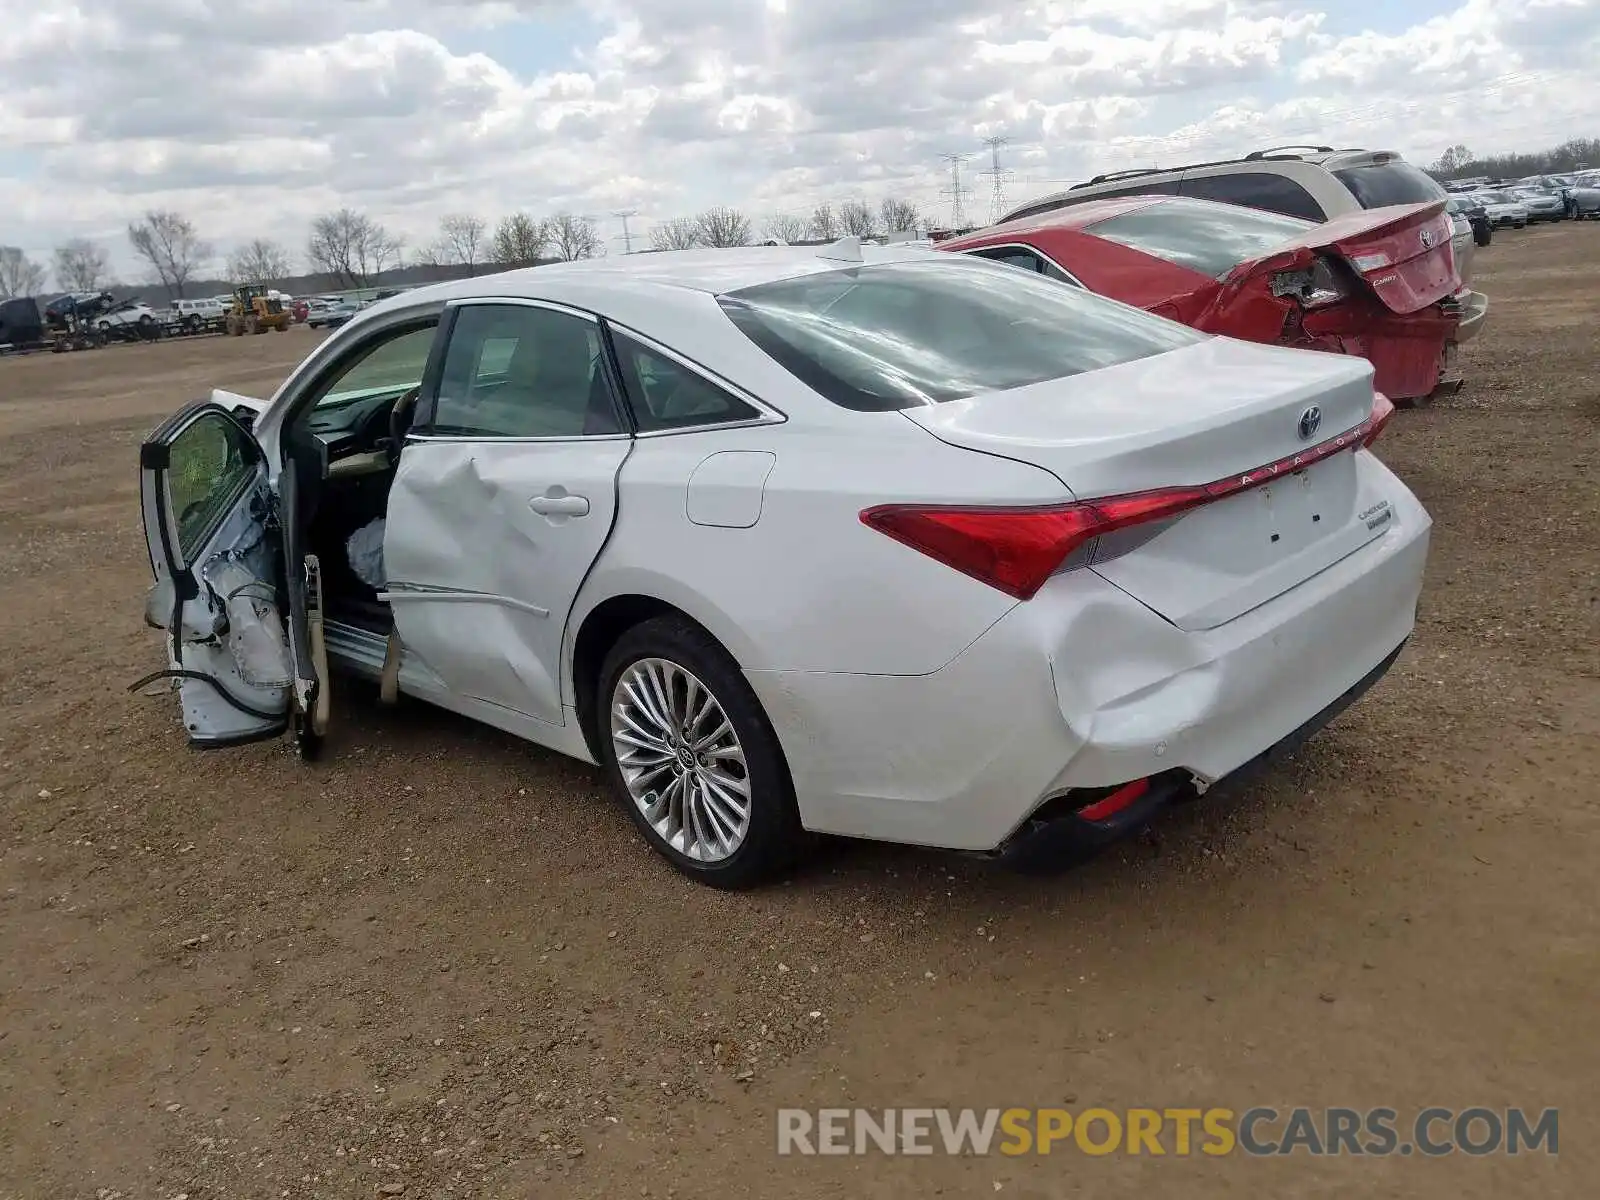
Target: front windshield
388 370
1494 198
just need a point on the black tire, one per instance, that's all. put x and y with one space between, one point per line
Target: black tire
774 839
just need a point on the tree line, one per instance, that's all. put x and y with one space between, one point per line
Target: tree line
730 227
1458 162
354 248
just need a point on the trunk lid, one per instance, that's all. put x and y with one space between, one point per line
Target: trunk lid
1195 416
1403 252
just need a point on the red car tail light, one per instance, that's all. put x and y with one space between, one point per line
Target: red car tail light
1016 549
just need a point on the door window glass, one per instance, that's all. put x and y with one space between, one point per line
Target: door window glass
1021 256
211 463
518 370
1013 256
668 395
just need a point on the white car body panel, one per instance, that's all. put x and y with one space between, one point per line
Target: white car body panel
912 701
480 579
1082 686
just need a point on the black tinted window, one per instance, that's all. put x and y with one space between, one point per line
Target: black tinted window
668 395
514 370
1393 182
1021 256
1013 256
897 335
1257 189
1209 238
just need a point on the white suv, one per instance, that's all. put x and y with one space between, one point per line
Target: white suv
194 315
1317 183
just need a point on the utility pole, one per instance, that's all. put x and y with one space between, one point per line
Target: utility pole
997 177
627 238
958 212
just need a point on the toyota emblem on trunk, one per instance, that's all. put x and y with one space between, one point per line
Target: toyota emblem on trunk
1310 422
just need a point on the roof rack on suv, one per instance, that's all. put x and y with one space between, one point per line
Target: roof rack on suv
1110 175
1275 151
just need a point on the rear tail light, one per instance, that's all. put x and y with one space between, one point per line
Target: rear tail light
1017 549
1382 410
1315 286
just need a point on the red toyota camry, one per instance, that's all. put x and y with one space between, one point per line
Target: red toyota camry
1380 283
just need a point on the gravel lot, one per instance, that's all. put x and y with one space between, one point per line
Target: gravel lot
442 962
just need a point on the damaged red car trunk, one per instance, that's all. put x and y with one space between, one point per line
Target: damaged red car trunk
1380 283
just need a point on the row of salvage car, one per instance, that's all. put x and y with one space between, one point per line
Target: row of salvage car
887 542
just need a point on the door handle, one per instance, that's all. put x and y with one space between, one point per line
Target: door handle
563 505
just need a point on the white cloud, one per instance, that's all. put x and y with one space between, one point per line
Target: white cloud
254 115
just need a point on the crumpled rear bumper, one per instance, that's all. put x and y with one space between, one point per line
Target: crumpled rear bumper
1084 687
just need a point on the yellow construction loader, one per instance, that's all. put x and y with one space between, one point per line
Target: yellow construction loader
254 310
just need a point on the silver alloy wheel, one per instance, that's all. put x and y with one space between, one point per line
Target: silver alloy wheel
681 759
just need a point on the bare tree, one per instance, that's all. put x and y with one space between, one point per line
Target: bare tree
573 237
461 237
855 217
824 224
82 266
519 238
19 274
680 233
785 227
168 242
1453 159
260 261
899 216
352 247
723 226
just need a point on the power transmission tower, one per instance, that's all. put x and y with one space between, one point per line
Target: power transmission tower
997 177
956 192
627 238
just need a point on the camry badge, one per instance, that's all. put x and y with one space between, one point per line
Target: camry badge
1310 422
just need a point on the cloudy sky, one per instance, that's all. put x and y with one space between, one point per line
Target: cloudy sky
251 116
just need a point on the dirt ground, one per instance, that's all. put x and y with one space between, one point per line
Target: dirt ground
442 961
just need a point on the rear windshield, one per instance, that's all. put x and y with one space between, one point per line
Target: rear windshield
1393 182
1209 238
1494 197
899 335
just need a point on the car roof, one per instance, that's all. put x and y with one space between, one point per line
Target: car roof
1326 158
711 272
1076 216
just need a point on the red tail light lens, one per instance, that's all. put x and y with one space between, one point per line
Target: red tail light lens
1017 549
1382 410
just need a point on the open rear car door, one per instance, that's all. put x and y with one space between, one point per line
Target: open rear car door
241 626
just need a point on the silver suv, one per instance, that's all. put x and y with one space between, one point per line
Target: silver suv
1317 183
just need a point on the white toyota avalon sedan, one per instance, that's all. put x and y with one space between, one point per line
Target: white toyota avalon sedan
885 543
